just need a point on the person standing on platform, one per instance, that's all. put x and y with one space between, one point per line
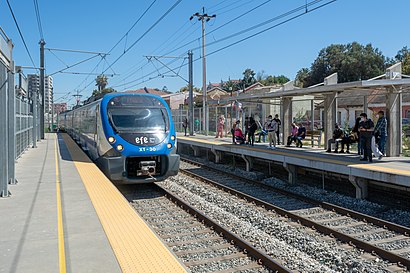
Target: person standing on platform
251 131
366 128
356 130
272 127
197 125
185 124
278 124
381 131
220 126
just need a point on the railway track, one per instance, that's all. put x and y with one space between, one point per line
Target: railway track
202 244
387 240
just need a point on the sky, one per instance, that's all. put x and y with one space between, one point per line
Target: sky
97 26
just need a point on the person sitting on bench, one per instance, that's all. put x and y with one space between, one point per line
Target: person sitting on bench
348 140
239 137
337 137
293 134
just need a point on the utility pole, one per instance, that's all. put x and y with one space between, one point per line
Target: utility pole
204 17
42 93
77 97
191 95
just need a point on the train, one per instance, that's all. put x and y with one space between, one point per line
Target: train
131 137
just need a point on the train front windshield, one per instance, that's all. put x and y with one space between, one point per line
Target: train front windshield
138 114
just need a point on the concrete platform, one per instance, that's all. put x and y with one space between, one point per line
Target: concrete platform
29 225
53 221
393 171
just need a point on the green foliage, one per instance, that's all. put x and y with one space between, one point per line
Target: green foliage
352 62
403 55
185 89
272 80
103 92
302 78
248 77
230 86
101 81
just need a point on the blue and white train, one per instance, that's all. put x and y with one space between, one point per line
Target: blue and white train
131 137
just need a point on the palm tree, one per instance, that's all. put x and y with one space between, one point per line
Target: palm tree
101 82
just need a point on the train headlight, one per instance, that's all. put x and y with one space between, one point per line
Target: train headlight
111 139
172 138
169 145
120 147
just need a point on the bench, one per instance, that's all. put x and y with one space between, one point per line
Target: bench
314 136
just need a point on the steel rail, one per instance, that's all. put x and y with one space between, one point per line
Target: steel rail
343 211
401 261
247 248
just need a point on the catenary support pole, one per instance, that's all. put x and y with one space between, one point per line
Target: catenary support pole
42 93
191 95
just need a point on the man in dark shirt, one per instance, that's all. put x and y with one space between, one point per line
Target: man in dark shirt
278 124
366 128
337 137
301 135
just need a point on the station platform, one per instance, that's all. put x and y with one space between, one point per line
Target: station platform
393 171
64 215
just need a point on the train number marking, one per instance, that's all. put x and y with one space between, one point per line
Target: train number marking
147 149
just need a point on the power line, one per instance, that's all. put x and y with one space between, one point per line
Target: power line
21 34
269 28
145 33
136 22
40 27
77 63
246 38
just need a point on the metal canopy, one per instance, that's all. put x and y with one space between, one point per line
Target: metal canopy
361 87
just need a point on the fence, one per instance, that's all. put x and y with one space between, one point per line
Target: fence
229 113
24 126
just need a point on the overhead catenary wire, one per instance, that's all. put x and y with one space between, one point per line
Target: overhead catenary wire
20 33
197 39
246 38
145 33
119 41
40 27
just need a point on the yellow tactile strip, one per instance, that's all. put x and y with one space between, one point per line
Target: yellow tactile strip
136 247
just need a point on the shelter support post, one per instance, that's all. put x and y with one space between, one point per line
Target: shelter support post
361 185
330 112
195 149
286 117
292 171
249 162
394 119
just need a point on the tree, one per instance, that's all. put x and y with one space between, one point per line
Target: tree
101 82
302 78
230 86
352 62
272 80
186 89
403 56
248 77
